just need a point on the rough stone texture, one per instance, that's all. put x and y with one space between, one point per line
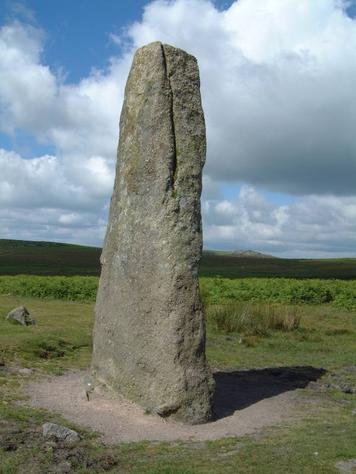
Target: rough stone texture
149 335
59 432
25 371
21 315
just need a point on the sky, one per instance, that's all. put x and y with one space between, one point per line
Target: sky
278 89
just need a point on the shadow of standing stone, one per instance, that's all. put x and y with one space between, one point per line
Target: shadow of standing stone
239 389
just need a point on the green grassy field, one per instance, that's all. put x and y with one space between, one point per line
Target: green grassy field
324 433
267 325
46 258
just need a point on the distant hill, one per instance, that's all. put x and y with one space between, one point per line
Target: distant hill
251 254
47 258
51 258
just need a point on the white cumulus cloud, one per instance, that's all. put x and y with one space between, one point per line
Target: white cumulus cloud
310 226
278 92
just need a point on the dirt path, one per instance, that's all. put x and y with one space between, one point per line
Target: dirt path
245 402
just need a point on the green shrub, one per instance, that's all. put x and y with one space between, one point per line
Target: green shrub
339 293
76 288
287 291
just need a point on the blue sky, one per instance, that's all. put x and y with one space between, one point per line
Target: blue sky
278 93
78 31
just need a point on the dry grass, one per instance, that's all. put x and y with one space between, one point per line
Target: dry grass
253 319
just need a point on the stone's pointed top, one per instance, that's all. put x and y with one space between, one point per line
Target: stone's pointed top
151 45
164 46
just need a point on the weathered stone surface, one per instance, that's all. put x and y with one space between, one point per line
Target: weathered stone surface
149 335
59 432
21 315
347 466
25 371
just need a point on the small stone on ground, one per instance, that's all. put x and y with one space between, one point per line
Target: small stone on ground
59 432
21 315
25 371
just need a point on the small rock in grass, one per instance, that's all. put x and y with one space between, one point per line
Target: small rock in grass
21 316
25 371
347 389
59 432
347 466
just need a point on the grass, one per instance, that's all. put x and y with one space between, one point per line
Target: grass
325 338
318 335
60 339
251 323
50 258
253 319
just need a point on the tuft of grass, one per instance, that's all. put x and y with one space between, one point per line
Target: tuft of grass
325 338
253 319
49 347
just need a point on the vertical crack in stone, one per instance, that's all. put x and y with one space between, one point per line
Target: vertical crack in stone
173 163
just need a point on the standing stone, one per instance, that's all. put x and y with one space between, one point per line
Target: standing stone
149 335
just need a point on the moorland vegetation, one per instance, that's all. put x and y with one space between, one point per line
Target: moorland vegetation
281 327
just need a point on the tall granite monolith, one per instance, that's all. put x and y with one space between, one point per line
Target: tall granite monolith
149 335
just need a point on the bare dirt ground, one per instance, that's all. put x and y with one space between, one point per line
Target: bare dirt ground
245 403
